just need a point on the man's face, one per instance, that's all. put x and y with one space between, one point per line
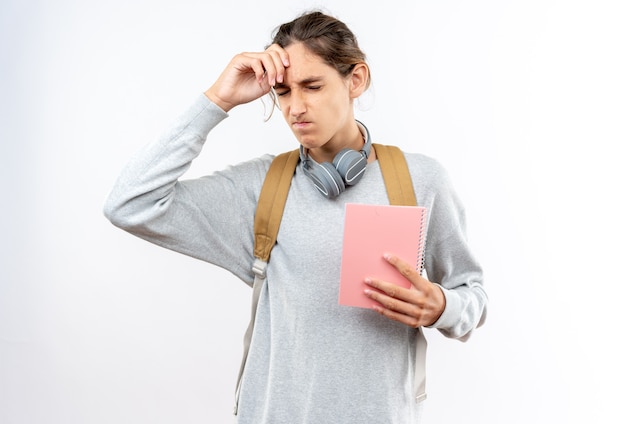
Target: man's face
314 99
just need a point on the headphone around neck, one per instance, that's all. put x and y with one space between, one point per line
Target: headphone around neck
346 169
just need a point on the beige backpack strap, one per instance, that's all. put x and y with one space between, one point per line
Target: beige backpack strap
271 203
267 219
396 175
400 191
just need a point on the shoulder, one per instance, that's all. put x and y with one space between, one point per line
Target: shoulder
257 164
250 172
427 167
422 160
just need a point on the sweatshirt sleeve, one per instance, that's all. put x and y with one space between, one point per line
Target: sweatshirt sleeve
150 201
451 263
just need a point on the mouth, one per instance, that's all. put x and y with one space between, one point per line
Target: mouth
301 124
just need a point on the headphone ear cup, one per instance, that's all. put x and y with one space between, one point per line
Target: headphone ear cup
326 179
350 165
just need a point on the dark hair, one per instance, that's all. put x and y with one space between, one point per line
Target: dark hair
325 36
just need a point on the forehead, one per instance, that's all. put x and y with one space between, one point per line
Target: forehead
304 64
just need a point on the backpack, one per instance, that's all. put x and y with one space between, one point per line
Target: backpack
271 205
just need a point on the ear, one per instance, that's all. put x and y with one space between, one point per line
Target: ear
359 80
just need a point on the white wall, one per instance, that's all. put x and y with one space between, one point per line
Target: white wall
523 101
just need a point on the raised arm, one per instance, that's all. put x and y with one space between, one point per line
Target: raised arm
197 217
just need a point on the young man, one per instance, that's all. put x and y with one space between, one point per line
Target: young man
310 360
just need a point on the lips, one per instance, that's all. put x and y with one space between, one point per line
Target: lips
301 124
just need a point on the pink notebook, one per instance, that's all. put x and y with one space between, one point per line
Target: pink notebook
369 232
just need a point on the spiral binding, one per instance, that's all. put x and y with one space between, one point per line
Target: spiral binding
422 244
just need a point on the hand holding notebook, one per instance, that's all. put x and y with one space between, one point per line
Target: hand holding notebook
371 231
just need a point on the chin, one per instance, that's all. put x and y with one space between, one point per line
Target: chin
307 142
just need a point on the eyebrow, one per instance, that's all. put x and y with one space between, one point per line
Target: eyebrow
305 81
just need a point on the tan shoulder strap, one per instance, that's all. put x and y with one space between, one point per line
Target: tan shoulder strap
400 191
278 180
273 195
396 175
269 213
271 204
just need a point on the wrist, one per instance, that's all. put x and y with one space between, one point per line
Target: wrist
215 99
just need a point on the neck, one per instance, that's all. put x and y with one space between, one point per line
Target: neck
355 140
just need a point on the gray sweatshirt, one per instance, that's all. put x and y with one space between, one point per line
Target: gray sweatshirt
311 360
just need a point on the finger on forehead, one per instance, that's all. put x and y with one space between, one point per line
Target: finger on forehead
282 55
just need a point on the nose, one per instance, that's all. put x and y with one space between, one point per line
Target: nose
297 104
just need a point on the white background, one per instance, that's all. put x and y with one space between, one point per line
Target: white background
522 101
